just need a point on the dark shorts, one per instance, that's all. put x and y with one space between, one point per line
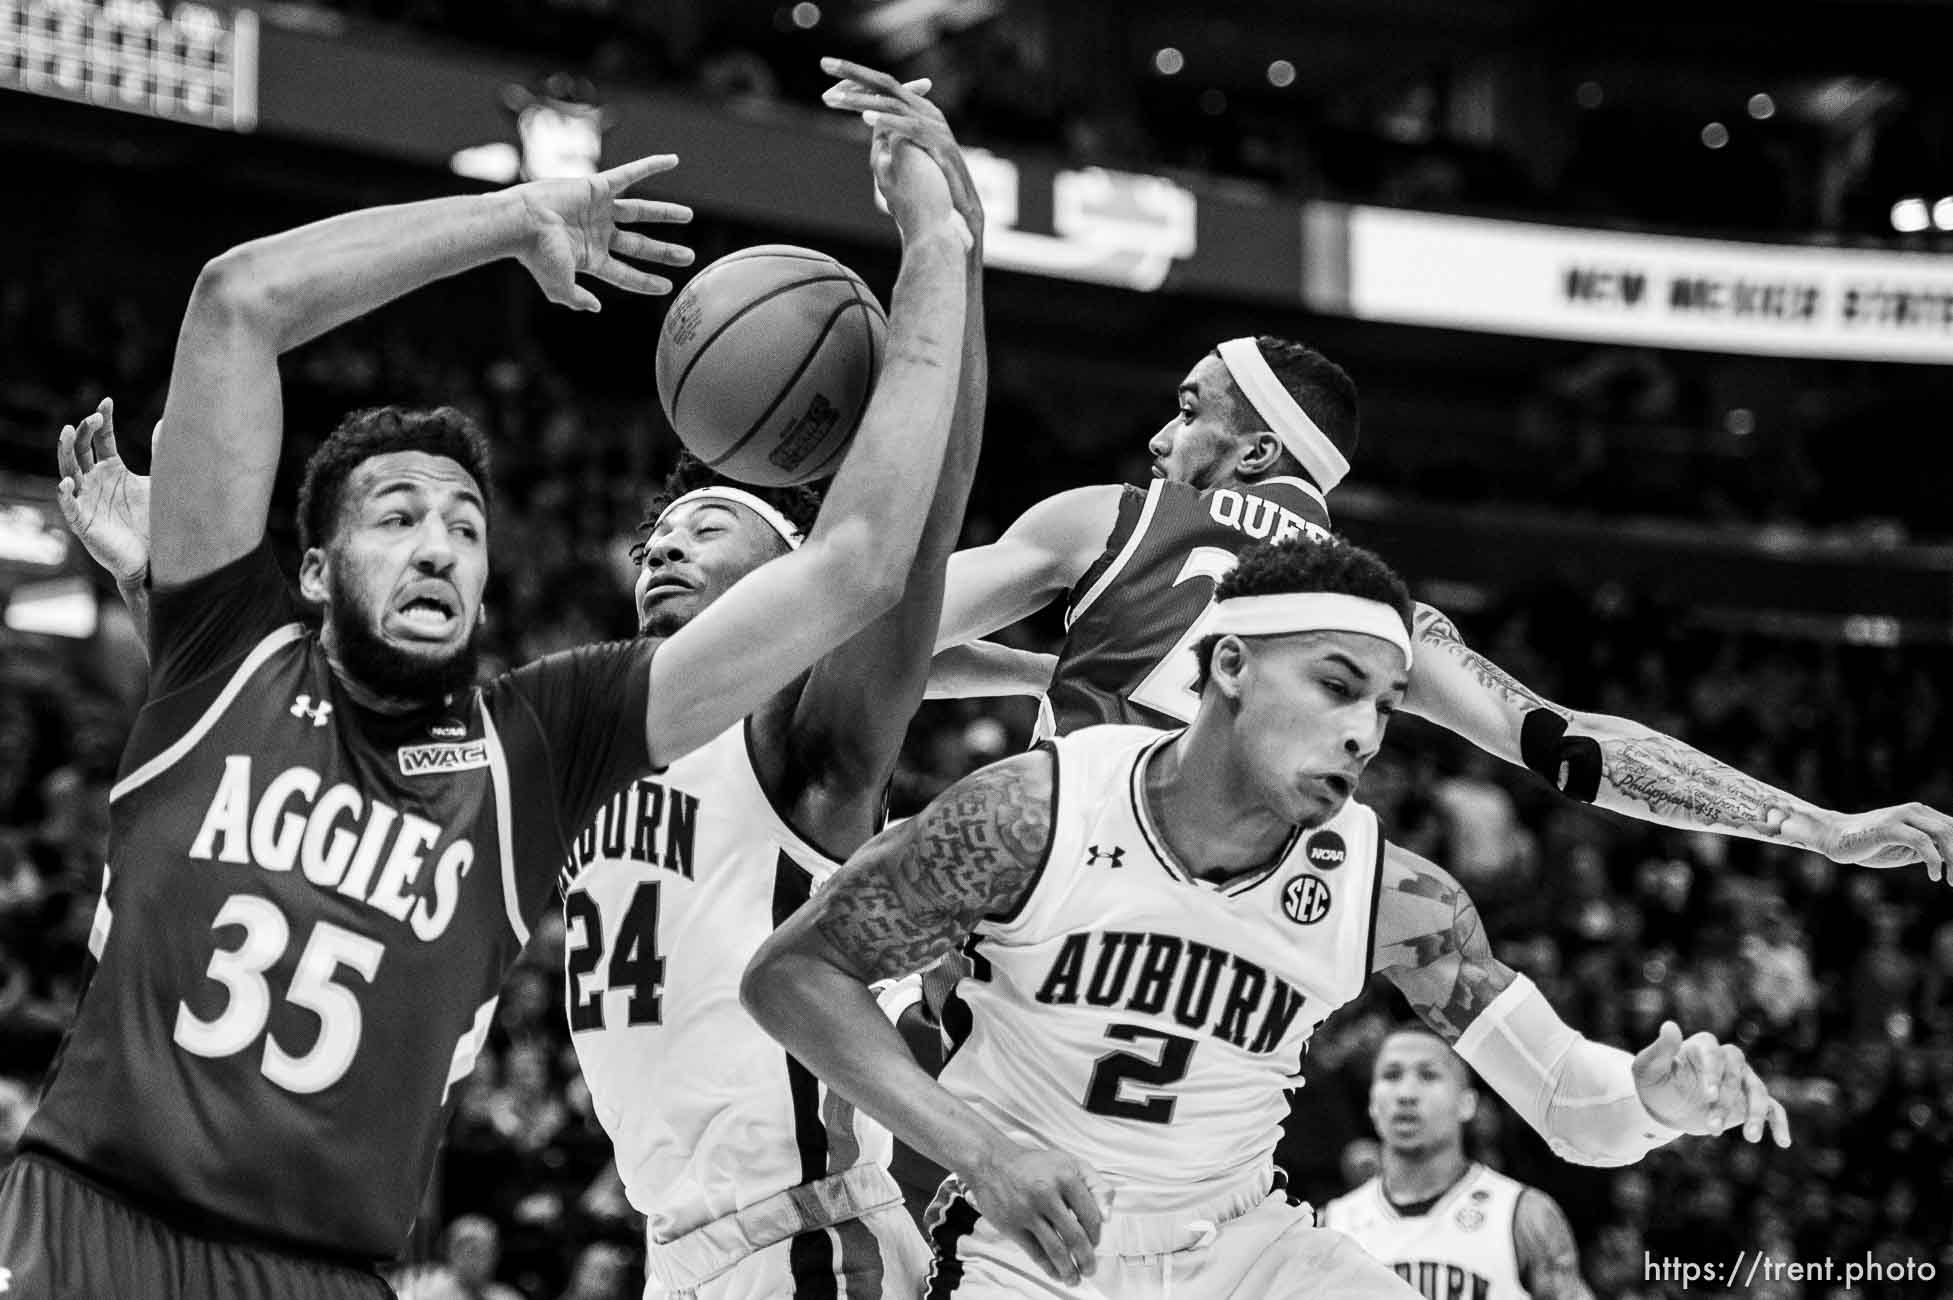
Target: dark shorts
64 1238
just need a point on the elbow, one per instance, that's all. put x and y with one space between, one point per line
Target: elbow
870 576
231 290
761 977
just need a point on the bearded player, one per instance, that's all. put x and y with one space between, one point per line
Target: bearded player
754 1181
1157 922
1450 1227
328 845
1264 432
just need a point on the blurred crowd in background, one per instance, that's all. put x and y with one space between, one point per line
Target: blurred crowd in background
1838 981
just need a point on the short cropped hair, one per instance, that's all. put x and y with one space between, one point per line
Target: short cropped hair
800 504
1323 390
1307 564
375 431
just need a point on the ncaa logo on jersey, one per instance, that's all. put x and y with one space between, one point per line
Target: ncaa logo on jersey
1306 899
1325 851
448 729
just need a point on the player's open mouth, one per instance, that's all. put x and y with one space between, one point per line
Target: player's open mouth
428 613
1340 787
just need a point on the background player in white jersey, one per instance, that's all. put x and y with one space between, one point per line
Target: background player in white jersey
1157 921
1264 432
1449 1226
756 1182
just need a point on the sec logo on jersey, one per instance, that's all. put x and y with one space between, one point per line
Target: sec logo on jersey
1306 899
1325 851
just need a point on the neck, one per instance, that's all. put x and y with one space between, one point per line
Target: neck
1202 806
1412 1176
363 695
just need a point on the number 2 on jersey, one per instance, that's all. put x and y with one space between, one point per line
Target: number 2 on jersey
634 961
315 988
1169 687
1105 1094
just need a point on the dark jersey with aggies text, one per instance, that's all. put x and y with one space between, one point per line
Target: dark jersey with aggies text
1135 615
308 910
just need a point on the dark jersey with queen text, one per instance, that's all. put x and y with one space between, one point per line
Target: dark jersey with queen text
307 912
1135 615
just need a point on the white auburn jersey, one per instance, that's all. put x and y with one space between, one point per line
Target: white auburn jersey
667 895
1145 1021
1462 1248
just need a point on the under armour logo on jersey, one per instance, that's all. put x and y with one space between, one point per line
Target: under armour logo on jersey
1111 855
302 707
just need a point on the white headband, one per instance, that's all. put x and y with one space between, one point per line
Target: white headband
1287 613
773 519
1286 418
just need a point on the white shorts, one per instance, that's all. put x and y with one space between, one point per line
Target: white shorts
771 1251
1239 1245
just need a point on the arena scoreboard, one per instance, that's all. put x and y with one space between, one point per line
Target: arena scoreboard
185 62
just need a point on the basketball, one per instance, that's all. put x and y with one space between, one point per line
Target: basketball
766 361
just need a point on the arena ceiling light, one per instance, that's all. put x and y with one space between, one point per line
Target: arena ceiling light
1909 215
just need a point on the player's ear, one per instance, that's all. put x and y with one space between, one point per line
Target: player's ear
1230 661
1467 1105
314 573
1258 453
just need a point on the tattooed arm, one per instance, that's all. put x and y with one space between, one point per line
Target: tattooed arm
1549 1262
911 895
1632 769
1592 1103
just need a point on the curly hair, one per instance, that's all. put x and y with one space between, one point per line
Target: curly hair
375 431
1323 390
1307 564
800 504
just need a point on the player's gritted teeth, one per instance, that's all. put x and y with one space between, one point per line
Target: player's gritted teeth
428 610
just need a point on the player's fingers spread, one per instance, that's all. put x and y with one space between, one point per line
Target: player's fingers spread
64 452
626 276
628 243
621 178
1779 1123
632 211
1756 1106
869 77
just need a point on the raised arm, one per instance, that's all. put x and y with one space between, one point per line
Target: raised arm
776 622
214 473
1592 1103
1037 559
907 898
1632 769
852 713
1549 1261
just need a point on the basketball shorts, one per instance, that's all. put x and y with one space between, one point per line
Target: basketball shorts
63 1237
848 1237
1239 1242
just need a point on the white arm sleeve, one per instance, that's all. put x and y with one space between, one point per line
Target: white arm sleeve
1578 1094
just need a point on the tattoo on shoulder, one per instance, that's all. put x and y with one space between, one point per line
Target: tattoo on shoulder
1666 776
918 889
1431 943
1433 629
1549 1261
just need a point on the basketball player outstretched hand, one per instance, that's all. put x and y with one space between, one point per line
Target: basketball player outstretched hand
577 231
1701 1086
901 109
1051 1204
